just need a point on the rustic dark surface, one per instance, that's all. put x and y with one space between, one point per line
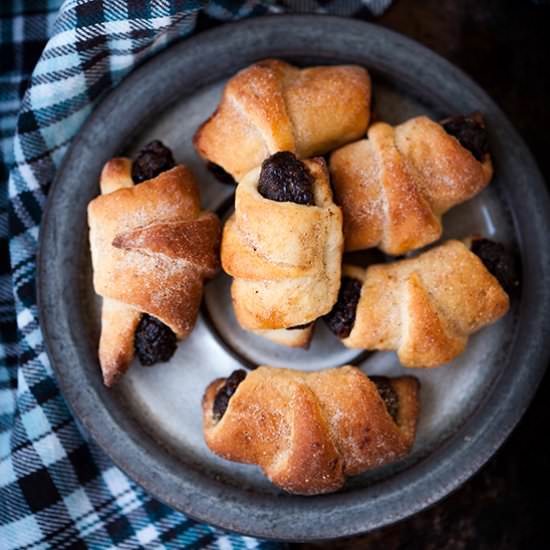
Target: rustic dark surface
505 46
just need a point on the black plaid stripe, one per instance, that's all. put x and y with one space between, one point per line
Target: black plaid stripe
39 490
137 10
83 464
13 503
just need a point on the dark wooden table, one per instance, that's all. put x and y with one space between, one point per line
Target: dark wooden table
505 46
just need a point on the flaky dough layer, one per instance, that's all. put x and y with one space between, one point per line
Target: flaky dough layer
152 247
425 308
395 186
285 258
272 106
309 430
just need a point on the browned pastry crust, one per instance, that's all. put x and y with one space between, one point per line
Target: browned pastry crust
272 106
285 257
309 430
152 247
395 186
425 307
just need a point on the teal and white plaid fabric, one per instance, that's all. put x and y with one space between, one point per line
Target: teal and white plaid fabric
58 490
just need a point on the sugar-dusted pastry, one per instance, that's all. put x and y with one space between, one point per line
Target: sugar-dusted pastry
308 431
395 186
152 248
283 247
424 308
272 106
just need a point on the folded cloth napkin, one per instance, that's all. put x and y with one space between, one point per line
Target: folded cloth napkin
58 490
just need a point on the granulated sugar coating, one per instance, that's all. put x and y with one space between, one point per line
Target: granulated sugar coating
152 248
308 431
273 106
426 307
395 185
284 258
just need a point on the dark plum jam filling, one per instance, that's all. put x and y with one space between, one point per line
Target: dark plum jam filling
221 401
151 161
388 394
341 318
154 342
499 261
284 178
470 131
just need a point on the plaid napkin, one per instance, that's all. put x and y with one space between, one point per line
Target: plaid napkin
57 490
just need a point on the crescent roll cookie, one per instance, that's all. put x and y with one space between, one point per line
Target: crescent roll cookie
424 308
395 186
152 248
283 247
272 106
308 431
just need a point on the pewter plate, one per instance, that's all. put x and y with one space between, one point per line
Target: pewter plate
150 424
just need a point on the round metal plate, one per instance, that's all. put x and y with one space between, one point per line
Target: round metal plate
150 424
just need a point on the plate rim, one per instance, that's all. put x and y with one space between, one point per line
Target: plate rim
431 481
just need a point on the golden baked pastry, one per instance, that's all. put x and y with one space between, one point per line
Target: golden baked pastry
395 186
308 431
425 308
283 247
272 106
152 248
